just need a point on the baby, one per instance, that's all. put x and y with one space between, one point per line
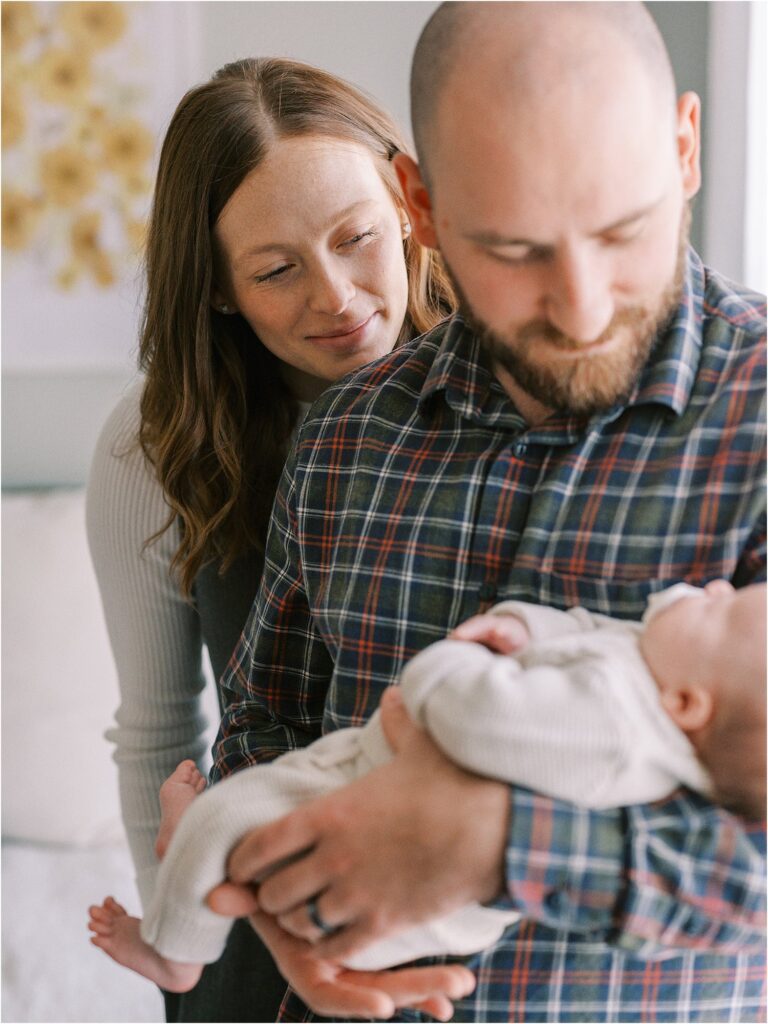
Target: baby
574 705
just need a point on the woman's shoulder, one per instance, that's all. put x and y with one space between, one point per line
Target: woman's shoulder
118 461
121 427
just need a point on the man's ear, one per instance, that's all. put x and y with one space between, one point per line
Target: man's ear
417 200
689 142
689 707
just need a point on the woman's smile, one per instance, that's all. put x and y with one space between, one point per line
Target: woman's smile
348 334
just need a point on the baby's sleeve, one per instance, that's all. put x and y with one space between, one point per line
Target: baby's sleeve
545 623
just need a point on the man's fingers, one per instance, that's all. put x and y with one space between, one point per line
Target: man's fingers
436 1006
343 999
350 939
264 848
428 989
409 985
289 888
231 900
301 923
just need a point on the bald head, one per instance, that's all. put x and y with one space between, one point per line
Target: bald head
530 49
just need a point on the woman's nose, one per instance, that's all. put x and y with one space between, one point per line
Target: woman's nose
330 290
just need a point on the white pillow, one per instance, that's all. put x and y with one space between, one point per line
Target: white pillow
59 684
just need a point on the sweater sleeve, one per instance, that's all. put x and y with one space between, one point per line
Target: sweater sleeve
154 633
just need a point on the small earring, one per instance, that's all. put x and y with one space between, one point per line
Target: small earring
224 309
406 229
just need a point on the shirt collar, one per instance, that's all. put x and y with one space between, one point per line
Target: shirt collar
670 373
471 389
459 371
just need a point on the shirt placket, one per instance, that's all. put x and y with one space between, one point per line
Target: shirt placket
503 511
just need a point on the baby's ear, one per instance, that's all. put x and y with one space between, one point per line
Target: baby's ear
689 707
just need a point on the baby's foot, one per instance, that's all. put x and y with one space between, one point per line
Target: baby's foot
176 794
118 935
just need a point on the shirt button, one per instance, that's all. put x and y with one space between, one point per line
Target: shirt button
521 448
557 901
487 591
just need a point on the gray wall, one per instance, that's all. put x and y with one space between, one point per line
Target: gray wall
368 43
685 28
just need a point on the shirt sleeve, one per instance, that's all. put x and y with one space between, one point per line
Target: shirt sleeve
154 632
652 879
274 689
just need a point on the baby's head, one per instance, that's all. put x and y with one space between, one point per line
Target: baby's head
708 655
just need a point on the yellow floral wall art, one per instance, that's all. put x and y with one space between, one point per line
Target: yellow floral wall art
77 151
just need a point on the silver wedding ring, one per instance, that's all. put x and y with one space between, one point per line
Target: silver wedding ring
316 919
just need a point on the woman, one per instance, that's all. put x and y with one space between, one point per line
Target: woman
279 258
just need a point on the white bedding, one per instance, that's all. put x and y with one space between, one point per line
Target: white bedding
51 973
63 845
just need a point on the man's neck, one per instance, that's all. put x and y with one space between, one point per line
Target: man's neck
533 412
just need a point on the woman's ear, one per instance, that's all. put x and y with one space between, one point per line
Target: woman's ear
416 199
689 707
219 302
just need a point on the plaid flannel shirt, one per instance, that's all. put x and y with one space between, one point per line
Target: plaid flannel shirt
415 497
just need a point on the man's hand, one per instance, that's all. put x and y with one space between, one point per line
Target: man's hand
503 634
411 840
333 991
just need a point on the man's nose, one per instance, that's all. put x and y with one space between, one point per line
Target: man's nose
331 290
580 299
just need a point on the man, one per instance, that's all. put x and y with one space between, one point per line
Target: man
589 431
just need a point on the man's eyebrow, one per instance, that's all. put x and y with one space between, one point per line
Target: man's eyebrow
494 239
260 250
631 217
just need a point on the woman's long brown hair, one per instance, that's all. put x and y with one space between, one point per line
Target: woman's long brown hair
216 418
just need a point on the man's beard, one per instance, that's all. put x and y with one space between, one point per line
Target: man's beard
590 384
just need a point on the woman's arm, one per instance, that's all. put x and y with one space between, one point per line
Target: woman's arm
155 634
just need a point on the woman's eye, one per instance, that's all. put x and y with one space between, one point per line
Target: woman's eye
356 239
272 274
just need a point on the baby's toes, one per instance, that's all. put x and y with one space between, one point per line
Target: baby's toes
181 772
99 913
101 925
114 908
187 771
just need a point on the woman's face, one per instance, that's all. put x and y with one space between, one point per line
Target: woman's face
311 247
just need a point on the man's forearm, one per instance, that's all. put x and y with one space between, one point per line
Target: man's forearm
653 880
